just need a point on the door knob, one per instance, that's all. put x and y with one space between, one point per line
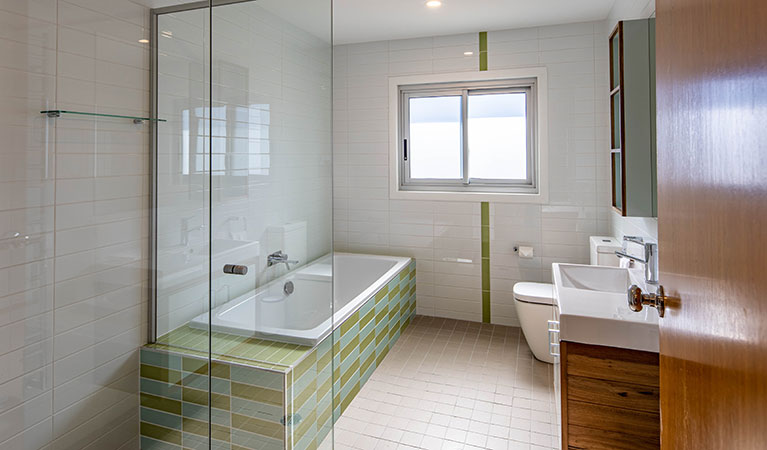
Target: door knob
637 299
235 269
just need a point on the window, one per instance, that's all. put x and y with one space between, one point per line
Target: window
468 137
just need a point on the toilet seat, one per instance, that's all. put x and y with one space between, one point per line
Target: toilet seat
538 293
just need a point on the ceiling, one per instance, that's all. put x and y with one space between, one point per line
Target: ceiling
369 20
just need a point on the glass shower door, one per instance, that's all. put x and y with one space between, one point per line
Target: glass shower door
242 349
271 221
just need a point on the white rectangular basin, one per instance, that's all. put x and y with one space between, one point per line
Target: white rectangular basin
593 307
594 278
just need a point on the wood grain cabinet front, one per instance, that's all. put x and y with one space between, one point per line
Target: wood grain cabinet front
610 398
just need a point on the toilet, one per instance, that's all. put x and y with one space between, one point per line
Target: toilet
535 301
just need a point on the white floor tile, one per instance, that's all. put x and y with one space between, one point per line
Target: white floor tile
454 385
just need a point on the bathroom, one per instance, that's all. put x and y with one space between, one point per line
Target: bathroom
326 224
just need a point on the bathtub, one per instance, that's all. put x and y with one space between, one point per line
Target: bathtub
304 316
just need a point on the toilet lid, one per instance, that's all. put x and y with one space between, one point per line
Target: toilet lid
540 293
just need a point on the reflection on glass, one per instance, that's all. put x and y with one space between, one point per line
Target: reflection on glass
244 179
435 137
270 182
615 61
498 136
616 120
183 240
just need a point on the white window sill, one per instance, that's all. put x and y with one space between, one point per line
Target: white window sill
500 197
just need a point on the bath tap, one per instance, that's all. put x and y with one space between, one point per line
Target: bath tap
279 258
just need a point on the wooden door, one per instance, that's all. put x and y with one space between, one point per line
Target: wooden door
712 209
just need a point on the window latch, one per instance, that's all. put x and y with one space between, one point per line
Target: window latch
404 152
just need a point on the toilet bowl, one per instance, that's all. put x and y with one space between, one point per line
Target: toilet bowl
535 301
535 307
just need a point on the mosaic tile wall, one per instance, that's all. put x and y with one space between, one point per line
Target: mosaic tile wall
257 406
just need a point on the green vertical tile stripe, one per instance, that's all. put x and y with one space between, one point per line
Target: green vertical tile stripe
485 210
483 50
485 262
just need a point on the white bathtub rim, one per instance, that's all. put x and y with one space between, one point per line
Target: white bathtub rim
321 331
357 302
344 313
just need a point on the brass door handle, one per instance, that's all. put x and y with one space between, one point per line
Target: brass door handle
637 299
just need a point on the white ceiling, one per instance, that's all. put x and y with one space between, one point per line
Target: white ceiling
369 20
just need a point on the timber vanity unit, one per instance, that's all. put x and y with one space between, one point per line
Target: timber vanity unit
608 374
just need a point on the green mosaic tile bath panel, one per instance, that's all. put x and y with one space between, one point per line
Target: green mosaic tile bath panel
228 347
317 395
247 404
365 338
266 395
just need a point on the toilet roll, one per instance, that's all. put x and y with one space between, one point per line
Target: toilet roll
525 251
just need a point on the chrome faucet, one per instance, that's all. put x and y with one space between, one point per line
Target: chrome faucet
279 258
650 259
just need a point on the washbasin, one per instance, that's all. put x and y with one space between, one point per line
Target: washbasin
593 309
595 278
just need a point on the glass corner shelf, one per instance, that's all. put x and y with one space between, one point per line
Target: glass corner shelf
60 112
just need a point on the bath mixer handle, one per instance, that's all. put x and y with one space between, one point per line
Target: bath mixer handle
279 257
236 269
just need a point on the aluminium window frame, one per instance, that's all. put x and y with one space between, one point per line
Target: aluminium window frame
464 90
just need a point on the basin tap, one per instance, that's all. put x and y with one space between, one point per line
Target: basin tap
279 257
650 259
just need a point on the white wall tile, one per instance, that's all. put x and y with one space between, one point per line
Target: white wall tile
439 234
73 244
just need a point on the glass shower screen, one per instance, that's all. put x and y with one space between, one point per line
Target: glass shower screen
243 227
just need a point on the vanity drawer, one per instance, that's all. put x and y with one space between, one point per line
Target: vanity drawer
614 393
614 364
610 397
587 438
619 420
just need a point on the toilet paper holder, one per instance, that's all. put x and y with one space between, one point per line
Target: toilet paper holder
524 251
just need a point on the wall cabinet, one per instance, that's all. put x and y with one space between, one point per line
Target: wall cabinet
610 398
632 118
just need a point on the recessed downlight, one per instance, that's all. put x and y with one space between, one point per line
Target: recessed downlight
143 41
434 3
468 53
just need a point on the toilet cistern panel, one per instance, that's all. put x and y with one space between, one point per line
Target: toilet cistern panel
603 251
